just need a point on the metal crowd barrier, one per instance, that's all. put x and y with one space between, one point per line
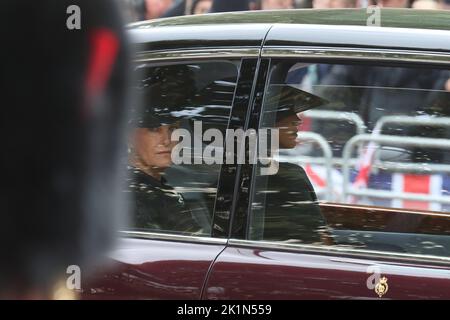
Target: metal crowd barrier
408 120
392 141
337 115
327 156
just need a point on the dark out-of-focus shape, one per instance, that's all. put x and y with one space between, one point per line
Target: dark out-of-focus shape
62 125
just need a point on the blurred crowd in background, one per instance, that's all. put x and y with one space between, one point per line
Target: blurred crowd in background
138 10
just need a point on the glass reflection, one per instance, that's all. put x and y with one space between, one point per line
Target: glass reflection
388 192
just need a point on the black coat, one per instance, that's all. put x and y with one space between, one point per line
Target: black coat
157 206
289 209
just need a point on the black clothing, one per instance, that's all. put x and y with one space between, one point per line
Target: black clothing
291 207
157 206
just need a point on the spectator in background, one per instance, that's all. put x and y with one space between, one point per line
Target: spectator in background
61 200
180 8
334 4
229 5
425 5
303 4
392 3
321 4
133 10
156 8
314 73
277 4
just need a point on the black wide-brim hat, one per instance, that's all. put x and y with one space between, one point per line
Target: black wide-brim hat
284 100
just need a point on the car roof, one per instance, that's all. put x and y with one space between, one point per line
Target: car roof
400 29
394 18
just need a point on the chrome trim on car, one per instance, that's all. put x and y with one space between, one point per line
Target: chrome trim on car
172 237
340 251
201 53
355 53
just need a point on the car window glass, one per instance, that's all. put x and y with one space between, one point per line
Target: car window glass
172 186
363 158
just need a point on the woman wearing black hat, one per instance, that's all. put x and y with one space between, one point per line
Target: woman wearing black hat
157 206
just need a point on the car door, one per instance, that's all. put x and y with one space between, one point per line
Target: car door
158 260
358 208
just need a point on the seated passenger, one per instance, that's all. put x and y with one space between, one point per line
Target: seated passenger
157 206
292 211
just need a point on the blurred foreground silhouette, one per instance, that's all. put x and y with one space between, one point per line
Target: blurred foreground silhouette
63 120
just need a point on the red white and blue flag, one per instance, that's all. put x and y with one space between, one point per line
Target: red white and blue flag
397 183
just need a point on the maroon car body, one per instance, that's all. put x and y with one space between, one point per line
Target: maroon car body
227 265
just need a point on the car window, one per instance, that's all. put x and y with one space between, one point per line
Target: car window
363 160
171 182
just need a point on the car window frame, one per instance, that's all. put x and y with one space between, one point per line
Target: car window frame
205 54
339 55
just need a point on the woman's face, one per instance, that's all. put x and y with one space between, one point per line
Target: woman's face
288 128
153 147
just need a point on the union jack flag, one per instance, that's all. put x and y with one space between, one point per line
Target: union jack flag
394 182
